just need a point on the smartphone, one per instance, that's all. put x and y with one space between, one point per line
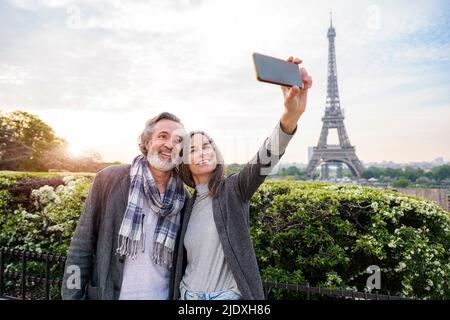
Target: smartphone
277 71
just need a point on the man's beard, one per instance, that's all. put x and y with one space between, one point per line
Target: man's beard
161 164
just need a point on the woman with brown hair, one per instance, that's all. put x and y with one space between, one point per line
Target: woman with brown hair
215 259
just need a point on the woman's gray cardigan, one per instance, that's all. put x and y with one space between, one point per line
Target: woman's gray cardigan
231 216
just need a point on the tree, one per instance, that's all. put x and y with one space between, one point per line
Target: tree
11 151
292 171
29 144
423 180
441 172
26 130
402 182
92 155
413 173
372 172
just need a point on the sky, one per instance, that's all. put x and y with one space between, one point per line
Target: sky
96 70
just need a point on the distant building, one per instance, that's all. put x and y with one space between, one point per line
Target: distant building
310 153
439 161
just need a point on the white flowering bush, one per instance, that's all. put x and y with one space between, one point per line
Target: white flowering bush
43 196
64 211
44 219
317 233
328 234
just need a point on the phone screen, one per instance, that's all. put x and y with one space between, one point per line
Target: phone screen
276 71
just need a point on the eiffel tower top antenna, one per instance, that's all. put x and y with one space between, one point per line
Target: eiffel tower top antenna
332 101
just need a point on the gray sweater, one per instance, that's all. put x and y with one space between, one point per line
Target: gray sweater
207 269
231 217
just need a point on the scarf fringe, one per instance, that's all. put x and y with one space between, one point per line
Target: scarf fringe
129 248
162 255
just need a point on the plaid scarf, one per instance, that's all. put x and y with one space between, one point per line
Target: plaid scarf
143 188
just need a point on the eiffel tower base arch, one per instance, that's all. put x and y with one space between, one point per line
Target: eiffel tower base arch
348 158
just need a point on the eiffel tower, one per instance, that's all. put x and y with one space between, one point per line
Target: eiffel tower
344 153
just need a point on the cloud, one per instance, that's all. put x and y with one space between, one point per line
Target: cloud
193 58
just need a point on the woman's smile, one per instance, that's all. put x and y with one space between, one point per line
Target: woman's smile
203 162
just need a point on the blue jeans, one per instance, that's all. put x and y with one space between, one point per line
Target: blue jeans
219 295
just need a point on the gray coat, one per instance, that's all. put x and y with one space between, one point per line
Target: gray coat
231 216
94 243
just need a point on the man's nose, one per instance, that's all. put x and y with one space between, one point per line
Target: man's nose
169 144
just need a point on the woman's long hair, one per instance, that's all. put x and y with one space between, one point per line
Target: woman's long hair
215 178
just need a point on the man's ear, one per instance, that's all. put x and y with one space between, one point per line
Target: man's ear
147 146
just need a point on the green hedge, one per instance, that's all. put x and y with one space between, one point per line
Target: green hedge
39 211
328 234
323 234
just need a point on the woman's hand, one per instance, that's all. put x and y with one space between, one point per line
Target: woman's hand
295 100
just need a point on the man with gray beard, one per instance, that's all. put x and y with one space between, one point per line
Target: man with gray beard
123 244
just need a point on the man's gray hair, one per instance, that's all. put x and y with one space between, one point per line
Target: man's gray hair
146 134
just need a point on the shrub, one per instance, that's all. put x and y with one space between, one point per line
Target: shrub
329 234
317 233
39 213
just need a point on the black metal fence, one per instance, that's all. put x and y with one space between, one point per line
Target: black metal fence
29 275
329 292
48 269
